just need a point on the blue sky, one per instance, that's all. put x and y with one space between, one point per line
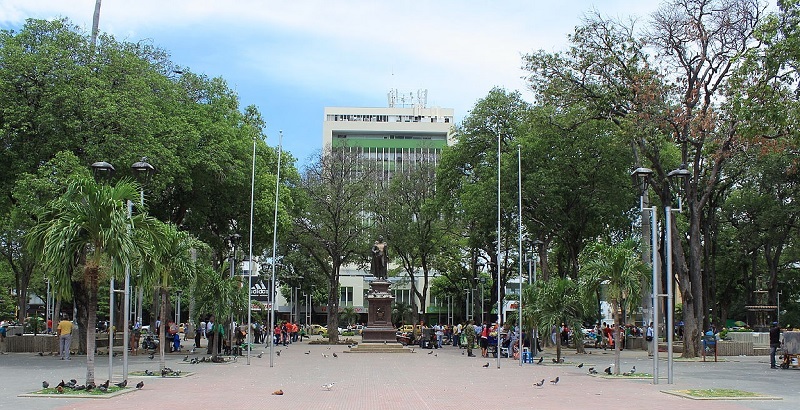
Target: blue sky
292 59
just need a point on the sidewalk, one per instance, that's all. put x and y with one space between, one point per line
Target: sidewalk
426 379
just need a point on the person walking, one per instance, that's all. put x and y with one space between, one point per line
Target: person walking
64 338
648 337
774 343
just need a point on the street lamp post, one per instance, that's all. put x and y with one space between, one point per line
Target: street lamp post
250 258
178 307
143 171
641 177
104 171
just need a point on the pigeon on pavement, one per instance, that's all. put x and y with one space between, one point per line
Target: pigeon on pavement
122 384
45 384
580 365
328 386
335 355
278 392
539 384
486 365
139 385
554 381
541 359
608 370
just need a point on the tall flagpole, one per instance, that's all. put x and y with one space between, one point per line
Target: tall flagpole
519 239
250 260
274 262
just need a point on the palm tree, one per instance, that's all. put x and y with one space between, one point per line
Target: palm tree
348 315
401 312
169 258
552 302
618 268
89 228
222 296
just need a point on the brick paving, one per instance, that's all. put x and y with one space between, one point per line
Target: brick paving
445 379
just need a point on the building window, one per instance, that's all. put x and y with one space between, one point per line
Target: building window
346 296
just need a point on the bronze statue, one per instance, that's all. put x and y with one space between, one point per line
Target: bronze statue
380 259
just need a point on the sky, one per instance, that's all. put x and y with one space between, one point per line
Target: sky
293 58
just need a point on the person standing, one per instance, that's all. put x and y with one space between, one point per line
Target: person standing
648 337
774 343
64 338
3 331
439 335
469 336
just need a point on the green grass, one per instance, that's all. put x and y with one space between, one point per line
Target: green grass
93 392
716 393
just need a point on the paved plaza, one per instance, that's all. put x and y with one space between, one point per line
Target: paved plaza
426 379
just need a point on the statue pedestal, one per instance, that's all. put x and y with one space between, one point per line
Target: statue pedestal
379 327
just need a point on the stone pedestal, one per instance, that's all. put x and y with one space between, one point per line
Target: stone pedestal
379 320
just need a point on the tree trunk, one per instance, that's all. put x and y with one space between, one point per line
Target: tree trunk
617 326
333 306
162 339
91 336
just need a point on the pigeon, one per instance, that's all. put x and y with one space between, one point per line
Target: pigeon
41 354
539 384
139 385
328 386
431 352
194 361
81 387
105 385
608 370
62 384
541 359
486 365
324 355
633 370
191 351
262 354
72 382
335 355
102 388
554 360
90 386
580 365
592 371
186 358
59 389
308 352
278 392
414 348
45 384
554 381
152 355
164 372
122 384
148 373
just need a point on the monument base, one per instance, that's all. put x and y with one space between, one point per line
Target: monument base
378 334
383 347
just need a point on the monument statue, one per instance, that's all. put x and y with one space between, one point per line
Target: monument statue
380 259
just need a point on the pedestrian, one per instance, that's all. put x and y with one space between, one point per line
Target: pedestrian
3 331
774 343
456 335
210 333
64 338
469 336
649 338
485 340
439 335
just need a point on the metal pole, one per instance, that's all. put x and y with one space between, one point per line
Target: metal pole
656 283
519 303
668 221
108 329
250 258
127 313
499 299
274 246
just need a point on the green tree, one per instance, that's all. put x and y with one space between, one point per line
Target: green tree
620 270
169 259
332 225
552 302
662 101
229 298
88 229
415 230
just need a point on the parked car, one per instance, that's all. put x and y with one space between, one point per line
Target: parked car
317 329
